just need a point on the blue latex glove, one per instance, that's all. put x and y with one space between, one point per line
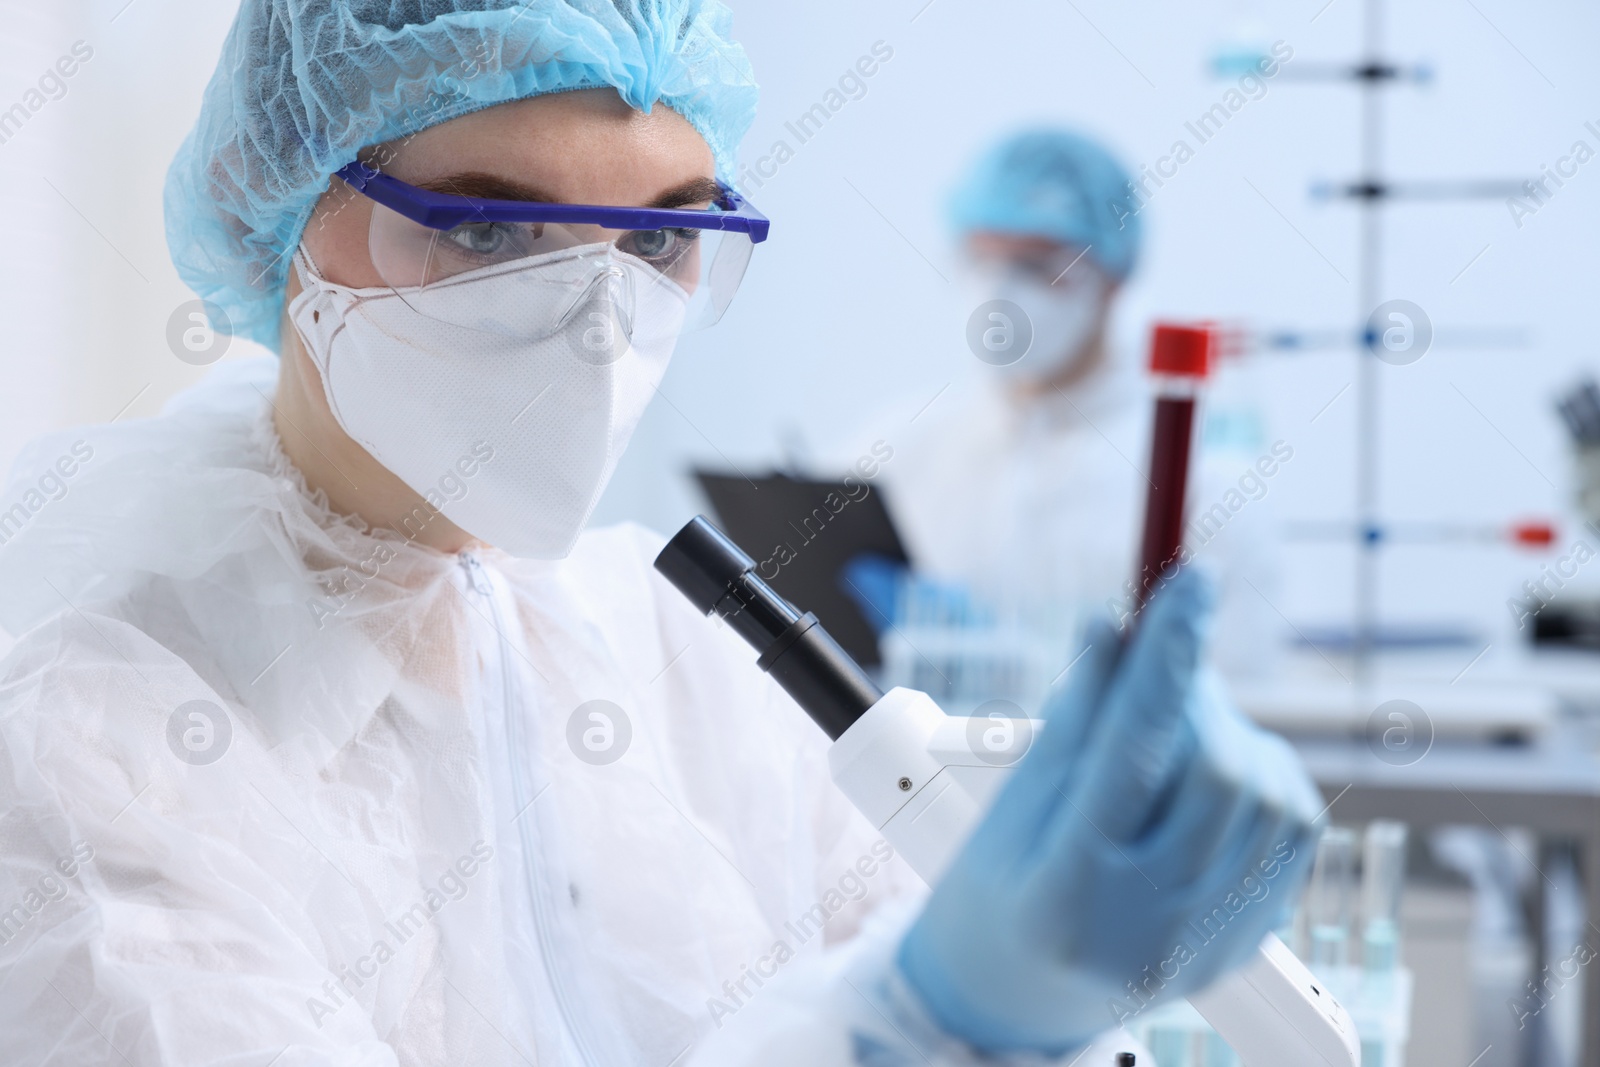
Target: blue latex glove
1148 841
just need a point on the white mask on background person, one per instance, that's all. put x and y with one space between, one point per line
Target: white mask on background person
1063 316
512 429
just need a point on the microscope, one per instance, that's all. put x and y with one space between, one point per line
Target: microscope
912 771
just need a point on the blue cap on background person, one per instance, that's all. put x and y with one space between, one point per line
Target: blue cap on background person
1057 184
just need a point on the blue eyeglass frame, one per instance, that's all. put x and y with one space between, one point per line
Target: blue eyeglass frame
442 211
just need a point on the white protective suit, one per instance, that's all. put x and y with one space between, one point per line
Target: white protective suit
279 790
1019 503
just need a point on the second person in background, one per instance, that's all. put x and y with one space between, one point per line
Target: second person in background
1026 488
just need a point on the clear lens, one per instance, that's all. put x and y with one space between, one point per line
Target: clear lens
702 266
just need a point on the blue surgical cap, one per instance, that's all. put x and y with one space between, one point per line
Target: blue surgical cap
1056 184
304 85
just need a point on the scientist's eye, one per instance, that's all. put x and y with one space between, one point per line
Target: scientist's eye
478 238
1040 271
659 248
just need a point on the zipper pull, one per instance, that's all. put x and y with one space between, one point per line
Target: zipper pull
476 579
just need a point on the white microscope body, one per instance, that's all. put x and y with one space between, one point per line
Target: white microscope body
914 772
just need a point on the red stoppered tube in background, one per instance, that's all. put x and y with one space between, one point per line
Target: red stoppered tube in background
1180 359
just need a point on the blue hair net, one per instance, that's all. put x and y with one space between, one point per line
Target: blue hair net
1056 184
304 85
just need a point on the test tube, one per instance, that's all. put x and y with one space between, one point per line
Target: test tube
1180 358
1331 899
1218 1053
1383 872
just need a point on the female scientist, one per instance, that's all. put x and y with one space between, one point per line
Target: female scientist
329 740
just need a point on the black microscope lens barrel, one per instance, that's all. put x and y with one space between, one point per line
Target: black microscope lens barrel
811 667
755 612
702 563
720 579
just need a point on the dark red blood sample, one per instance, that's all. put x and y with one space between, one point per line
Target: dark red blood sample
1169 481
1180 356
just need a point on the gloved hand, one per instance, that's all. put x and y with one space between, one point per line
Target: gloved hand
1149 840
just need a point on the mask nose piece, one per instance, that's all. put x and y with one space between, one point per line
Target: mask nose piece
619 282
602 313
607 291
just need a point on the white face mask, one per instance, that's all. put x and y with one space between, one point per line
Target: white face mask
511 430
1064 316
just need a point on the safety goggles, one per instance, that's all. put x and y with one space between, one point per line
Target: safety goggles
422 240
1062 268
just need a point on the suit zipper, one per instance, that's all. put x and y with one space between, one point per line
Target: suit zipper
482 581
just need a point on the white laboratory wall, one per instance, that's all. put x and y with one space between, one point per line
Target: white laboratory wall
87 285
844 315
851 318
43 335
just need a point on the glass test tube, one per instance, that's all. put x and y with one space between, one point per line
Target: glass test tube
1180 358
1383 872
1330 901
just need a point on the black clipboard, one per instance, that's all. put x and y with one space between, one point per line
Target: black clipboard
802 532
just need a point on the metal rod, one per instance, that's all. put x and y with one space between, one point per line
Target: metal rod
1369 399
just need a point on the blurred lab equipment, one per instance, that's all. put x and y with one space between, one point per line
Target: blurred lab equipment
1550 786
969 654
1331 899
1376 990
1383 872
1377 986
1580 410
1491 710
1390 331
1572 618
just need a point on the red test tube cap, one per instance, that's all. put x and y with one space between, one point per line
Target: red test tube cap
1181 350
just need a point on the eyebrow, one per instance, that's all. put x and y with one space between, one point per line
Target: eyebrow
482 186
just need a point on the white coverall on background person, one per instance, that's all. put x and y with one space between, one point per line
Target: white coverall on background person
1025 482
